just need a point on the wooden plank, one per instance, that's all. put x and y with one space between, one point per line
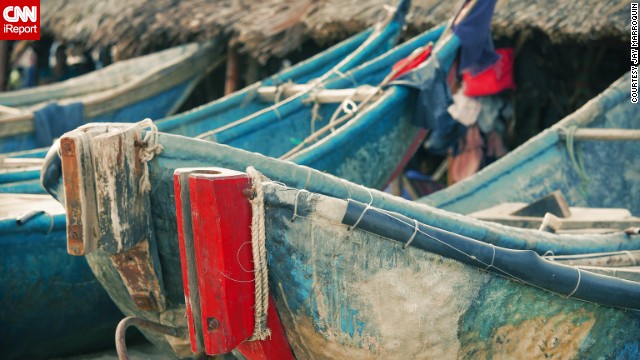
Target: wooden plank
18 204
224 267
580 219
612 259
24 163
324 96
124 214
136 268
631 273
221 218
604 134
79 190
188 258
553 203
123 207
233 69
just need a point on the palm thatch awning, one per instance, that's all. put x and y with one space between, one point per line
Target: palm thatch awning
269 28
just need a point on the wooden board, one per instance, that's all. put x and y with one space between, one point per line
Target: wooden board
580 219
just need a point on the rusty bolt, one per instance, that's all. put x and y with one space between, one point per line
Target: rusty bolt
212 324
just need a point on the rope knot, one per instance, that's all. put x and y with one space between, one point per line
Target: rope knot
149 148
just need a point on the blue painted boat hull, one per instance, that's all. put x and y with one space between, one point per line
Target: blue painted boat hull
345 292
50 298
473 292
157 93
306 70
328 66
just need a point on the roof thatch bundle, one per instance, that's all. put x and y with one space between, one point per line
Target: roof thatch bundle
269 28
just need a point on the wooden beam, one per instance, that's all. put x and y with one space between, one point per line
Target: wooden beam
583 219
233 70
604 134
553 203
4 64
325 96
222 257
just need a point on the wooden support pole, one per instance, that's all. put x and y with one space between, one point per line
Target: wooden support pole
218 249
253 71
233 70
4 64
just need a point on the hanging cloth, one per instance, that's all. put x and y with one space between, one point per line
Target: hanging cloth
465 109
434 97
476 46
469 160
493 80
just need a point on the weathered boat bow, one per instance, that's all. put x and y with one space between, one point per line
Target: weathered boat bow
126 245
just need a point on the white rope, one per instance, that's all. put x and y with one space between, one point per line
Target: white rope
363 211
413 236
493 258
275 110
148 151
577 284
259 249
315 114
279 91
347 77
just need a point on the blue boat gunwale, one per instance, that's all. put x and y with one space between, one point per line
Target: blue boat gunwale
525 266
380 63
125 70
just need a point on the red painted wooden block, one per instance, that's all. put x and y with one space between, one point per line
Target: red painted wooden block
187 256
276 347
214 225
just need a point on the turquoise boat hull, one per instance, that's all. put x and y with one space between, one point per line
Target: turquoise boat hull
489 320
380 134
54 238
347 287
325 69
51 299
158 92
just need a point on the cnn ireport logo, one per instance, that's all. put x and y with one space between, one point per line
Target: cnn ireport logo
20 20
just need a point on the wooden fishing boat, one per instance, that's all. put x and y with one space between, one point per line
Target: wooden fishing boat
141 223
352 280
109 77
50 299
379 134
255 103
159 91
380 38
153 232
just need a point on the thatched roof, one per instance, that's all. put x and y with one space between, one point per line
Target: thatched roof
268 28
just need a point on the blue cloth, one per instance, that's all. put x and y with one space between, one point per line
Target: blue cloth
402 10
54 120
476 46
433 100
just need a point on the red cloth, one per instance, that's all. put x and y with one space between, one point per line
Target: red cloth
405 65
497 78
